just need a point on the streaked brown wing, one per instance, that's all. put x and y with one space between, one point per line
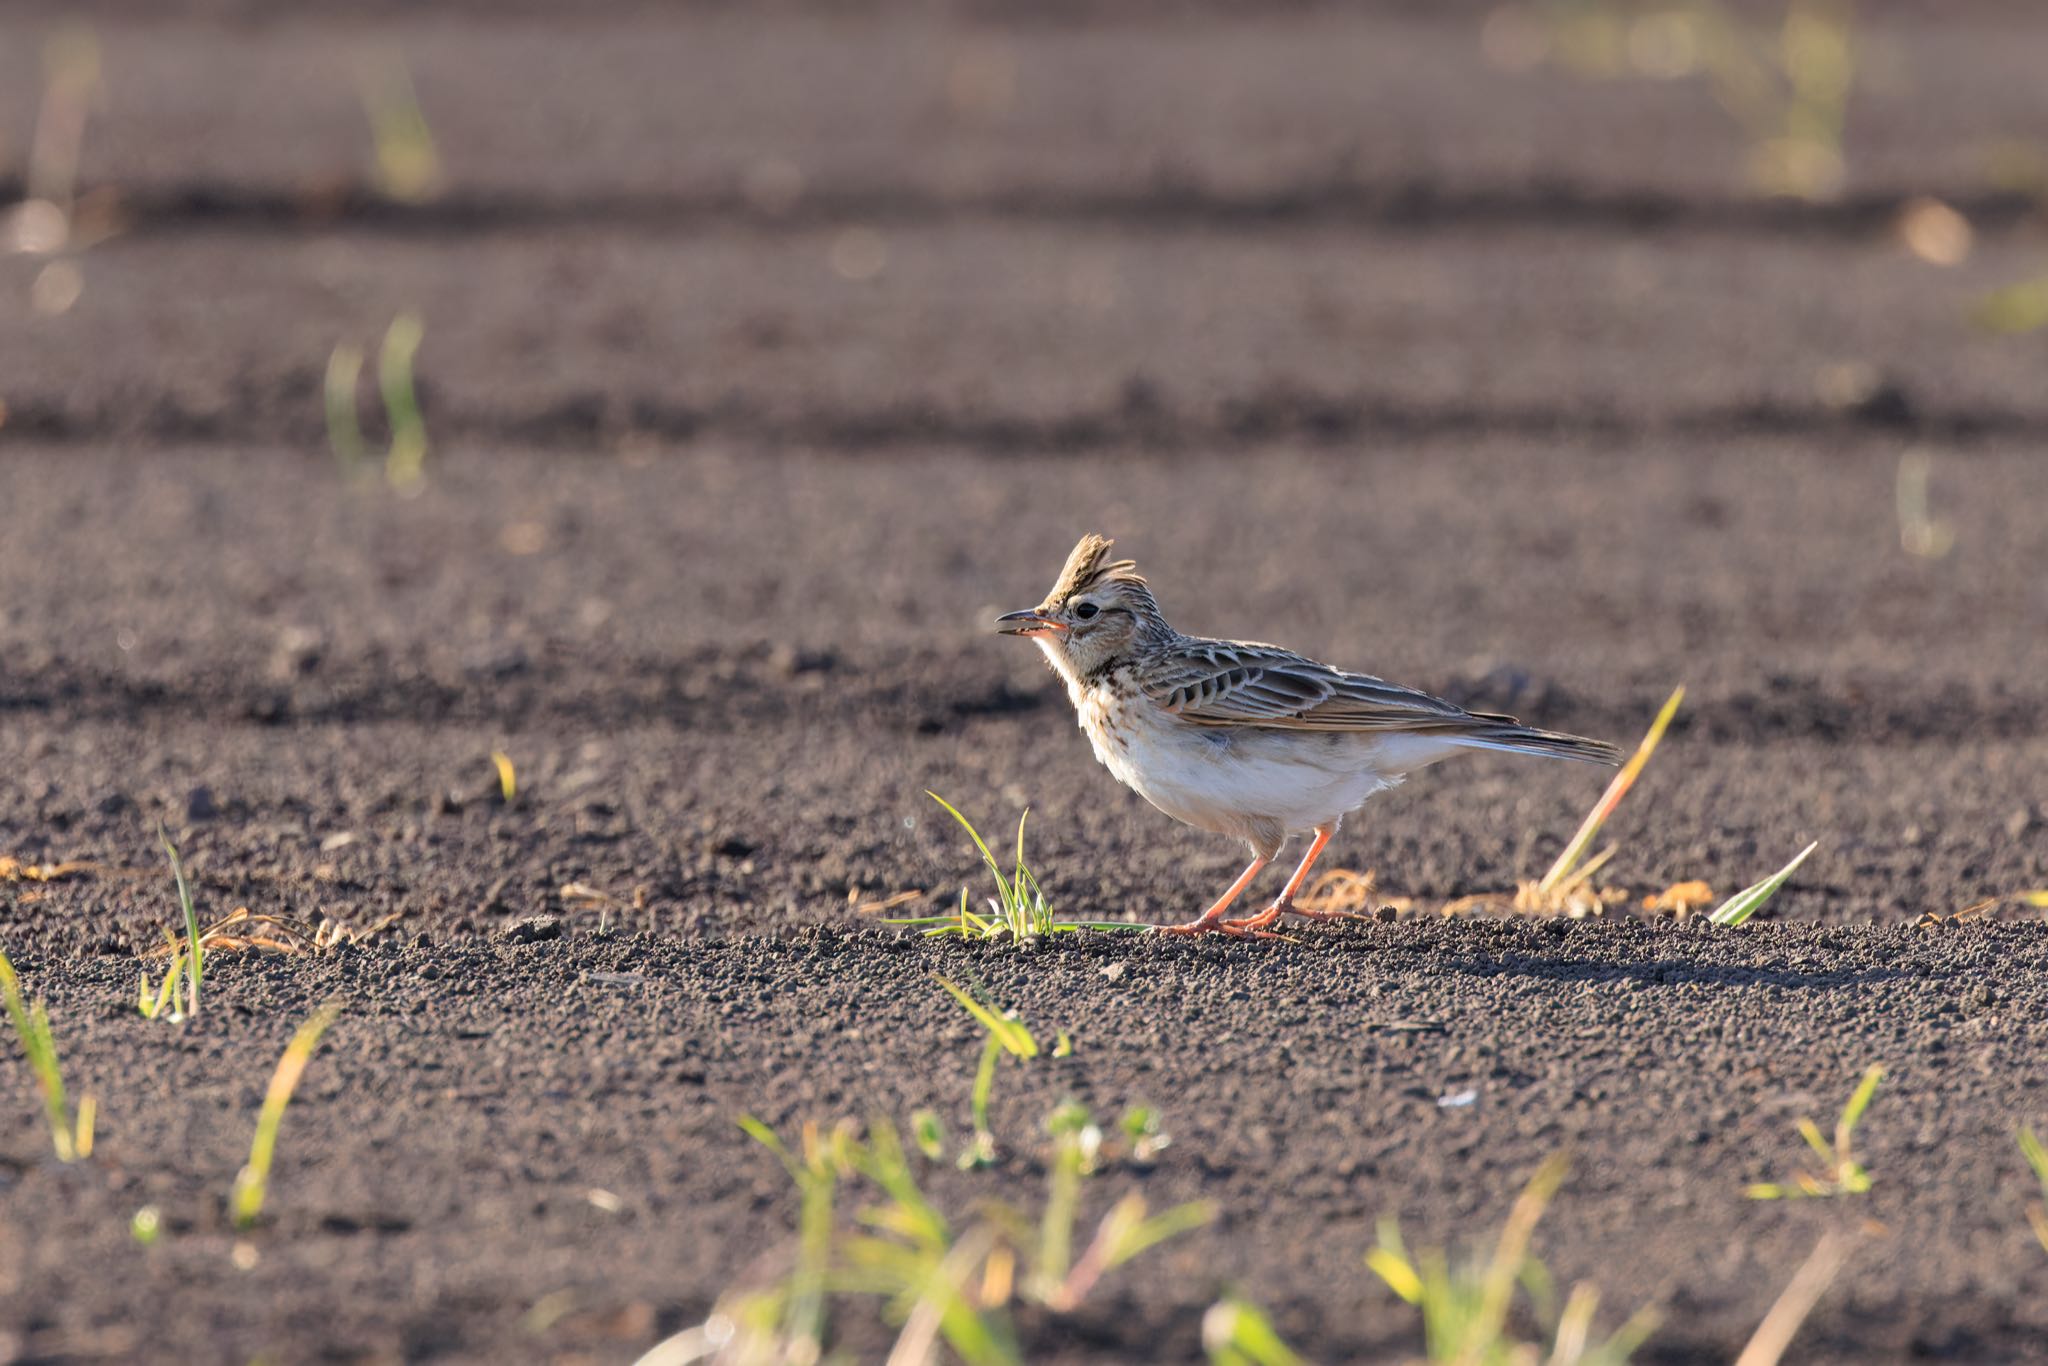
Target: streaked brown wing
1236 683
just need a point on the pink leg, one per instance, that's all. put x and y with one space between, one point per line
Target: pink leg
1284 904
1212 919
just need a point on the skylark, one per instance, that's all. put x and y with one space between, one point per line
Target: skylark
1240 738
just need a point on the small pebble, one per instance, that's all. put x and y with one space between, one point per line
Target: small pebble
534 928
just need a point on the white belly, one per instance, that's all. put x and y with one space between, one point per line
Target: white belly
1255 784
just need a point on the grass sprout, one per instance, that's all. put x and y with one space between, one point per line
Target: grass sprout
1236 1332
1921 533
70 1136
161 1002
252 1183
405 462
1749 900
344 430
1568 886
1465 1303
508 777
405 458
1006 1034
2037 1159
195 948
407 168
1019 909
1841 1173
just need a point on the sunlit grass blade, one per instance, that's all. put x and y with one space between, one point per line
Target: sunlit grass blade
1781 1323
1238 1333
408 168
1015 1039
195 952
252 1183
344 429
2037 1159
1616 790
1852 1113
1003 892
508 778
153 1004
405 462
1749 900
70 1138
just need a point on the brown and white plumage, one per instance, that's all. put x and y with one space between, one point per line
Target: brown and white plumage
1241 738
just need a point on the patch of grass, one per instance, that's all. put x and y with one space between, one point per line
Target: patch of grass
252 1183
1006 1034
70 1136
2037 1160
936 1278
1019 909
1465 1303
1841 1173
1749 900
162 1001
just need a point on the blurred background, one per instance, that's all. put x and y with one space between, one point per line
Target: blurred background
479 475
668 394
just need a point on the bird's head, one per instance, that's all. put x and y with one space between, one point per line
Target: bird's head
1098 611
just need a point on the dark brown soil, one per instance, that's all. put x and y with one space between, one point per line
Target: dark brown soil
1495 384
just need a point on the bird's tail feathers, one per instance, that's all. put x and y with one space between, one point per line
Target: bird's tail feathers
1514 739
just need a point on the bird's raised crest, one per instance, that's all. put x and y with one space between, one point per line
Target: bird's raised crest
1090 567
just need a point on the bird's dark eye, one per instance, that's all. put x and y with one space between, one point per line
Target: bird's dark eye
1086 610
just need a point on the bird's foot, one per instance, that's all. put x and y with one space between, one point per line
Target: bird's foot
1214 923
1253 924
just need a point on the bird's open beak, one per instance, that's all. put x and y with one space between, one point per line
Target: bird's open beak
1029 622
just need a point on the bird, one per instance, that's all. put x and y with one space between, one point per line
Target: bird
1241 738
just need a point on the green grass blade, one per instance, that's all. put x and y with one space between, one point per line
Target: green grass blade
253 1182
195 953
344 431
39 1047
1011 1034
1147 1234
1858 1103
987 856
405 462
1238 1333
1611 798
2036 1155
1746 902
